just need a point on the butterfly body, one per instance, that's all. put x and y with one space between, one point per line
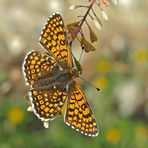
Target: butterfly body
59 80
51 77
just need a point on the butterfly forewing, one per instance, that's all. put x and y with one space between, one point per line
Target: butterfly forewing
37 66
53 39
79 114
47 103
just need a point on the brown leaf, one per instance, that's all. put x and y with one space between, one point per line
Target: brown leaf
73 30
93 36
86 45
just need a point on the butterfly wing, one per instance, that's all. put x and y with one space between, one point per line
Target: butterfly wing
54 40
47 103
79 114
37 66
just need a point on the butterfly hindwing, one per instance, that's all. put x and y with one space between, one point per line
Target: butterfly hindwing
37 66
54 40
79 114
47 103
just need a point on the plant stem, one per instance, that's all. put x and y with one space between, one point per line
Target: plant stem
84 18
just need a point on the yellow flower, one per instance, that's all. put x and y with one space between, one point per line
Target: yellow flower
104 66
16 115
101 82
113 136
141 133
141 56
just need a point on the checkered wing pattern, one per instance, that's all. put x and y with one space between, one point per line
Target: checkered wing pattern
79 114
53 39
47 103
37 66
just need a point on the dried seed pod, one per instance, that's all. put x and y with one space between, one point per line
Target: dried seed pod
97 24
105 17
87 46
93 36
73 30
72 7
76 24
115 2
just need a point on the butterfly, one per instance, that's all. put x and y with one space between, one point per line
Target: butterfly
51 76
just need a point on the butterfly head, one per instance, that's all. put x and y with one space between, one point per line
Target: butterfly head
75 73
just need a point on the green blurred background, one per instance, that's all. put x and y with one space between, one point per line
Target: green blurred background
119 66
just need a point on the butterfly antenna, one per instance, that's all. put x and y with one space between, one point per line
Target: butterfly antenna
97 88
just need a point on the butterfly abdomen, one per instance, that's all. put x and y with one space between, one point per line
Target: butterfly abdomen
43 83
58 81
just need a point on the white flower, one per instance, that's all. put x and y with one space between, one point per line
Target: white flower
128 97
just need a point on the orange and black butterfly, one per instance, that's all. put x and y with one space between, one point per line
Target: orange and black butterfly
51 77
